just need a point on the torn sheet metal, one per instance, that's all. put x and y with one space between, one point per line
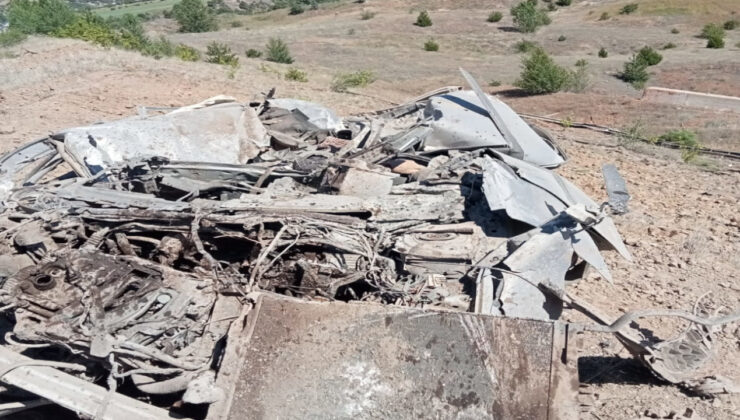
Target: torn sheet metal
320 116
222 133
616 188
408 364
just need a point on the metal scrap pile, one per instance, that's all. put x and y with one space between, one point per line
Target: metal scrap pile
129 247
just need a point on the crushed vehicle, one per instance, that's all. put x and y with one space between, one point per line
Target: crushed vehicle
213 261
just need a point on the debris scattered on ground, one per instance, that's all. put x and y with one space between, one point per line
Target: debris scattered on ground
136 252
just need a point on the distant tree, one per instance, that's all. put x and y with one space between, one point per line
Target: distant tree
194 16
541 75
277 51
40 16
527 17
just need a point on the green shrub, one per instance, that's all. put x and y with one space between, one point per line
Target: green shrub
551 7
494 83
194 16
563 2
39 16
579 78
277 51
649 56
635 72
342 82
541 75
218 53
296 9
669 46
562 38
367 15
158 49
423 20
252 53
712 30
715 41
604 16
628 9
186 53
431 45
296 75
495 17
686 140
11 37
675 31
730 25
236 24
92 28
525 46
603 53
527 17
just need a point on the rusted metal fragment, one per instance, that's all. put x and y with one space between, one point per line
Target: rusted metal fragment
336 360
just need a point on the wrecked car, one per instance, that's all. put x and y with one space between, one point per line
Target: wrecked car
153 265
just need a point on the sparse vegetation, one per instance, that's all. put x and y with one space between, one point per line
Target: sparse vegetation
603 53
494 17
431 45
525 46
649 56
296 9
277 51
563 2
494 83
541 75
252 53
686 140
218 53
296 75
236 24
731 24
423 20
628 9
527 17
367 15
11 37
194 16
714 34
675 31
604 16
635 72
579 78
562 38
344 81
186 53
669 46
715 42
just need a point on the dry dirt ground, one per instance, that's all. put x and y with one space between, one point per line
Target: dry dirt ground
684 226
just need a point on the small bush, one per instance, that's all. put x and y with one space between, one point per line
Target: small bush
715 42
158 49
296 9
635 72
686 140
712 30
423 20
39 17
277 51
194 16
218 53
562 38
90 28
431 45
525 46
186 53
11 37
296 75
563 2
541 75
527 17
628 9
579 78
494 17
252 53
731 24
675 31
551 7
604 16
494 83
236 24
603 53
649 56
367 15
342 82
669 46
